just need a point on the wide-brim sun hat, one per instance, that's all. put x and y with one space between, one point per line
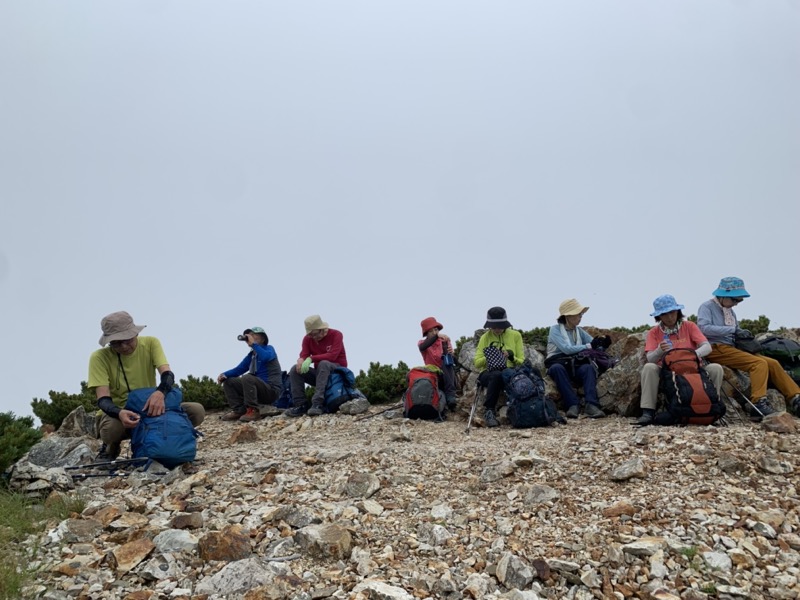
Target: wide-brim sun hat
314 322
570 308
664 304
730 287
496 318
429 323
118 326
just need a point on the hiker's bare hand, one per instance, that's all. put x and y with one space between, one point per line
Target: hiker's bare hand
221 378
155 404
128 418
665 346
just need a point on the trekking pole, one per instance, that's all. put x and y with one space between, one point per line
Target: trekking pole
474 408
732 405
746 399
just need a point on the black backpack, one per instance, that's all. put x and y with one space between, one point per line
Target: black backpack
786 352
527 404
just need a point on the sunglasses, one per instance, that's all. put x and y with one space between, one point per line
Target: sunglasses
120 343
736 300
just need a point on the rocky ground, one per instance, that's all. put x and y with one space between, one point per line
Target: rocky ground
338 506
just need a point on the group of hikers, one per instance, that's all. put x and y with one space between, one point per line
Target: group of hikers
128 361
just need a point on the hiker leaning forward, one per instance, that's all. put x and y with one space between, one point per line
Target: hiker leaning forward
718 322
129 362
324 348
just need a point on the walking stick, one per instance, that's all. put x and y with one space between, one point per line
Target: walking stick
380 412
474 407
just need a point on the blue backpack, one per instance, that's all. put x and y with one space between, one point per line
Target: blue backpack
285 399
170 438
341 388
528 406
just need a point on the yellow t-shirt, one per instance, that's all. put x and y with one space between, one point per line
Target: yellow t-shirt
139 368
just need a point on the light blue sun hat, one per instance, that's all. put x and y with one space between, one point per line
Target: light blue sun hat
731 287
664 304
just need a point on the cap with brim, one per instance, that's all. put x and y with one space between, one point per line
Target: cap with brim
254 330
314 322
664 304
731 287
118 326
570 308
496 318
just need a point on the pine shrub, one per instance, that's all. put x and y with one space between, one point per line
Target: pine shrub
17 436
205 391
383 384
54 411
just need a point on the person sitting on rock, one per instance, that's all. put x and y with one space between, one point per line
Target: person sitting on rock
565 341
437 350
129 362
719 324
254 381
498 349
324 348
671 331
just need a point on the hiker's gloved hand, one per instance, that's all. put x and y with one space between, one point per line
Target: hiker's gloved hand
601 342
744 333
305 366
510 355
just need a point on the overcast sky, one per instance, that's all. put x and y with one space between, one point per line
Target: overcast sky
211 166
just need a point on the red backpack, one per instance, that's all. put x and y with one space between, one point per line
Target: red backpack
691 397
423 399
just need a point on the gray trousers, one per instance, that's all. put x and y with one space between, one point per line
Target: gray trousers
248 391
318 377
111 431
651 376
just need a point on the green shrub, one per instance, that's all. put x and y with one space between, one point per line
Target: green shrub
205 391
54 411
536 336
17 436
755 326
630 330
382 384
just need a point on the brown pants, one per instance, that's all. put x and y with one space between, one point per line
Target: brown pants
761 370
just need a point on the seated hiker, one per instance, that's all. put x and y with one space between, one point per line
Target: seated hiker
129 362
565 341
719 324
499 348
437 350
254 381
324 348
671 331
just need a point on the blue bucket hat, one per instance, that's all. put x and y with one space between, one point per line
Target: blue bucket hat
731 287
664 304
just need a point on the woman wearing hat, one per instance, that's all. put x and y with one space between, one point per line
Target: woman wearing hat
671 331
564 342
437 350
498 349
719 324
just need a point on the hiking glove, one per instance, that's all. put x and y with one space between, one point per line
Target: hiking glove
510 355
744 333
305 366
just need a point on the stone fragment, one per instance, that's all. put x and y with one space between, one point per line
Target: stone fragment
127 556
728 463
175 540
433 534
620 508
240 576
513 572
230 544
324 541
771 464
497 471
539 494
243 434
718 560
628 470
187 521
356 406
380 590
362 485
478 586
779 422
646 546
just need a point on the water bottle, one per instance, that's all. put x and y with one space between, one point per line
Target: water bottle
667 340
447 358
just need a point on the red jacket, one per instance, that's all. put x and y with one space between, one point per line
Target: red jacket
330 348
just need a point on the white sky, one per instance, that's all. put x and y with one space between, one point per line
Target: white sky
210 166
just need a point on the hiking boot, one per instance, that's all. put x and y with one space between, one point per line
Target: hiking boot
232 416
572 412
107 453
316 409
763 408
252 414
794 405
593 411
451 402
648 414
299 410
490 419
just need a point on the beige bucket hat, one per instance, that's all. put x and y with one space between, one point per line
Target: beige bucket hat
314 322
571 307
118 326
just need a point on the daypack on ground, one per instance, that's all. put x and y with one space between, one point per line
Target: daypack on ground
285 399
527 404
691 397
341 388
169 438
786 352
423 399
